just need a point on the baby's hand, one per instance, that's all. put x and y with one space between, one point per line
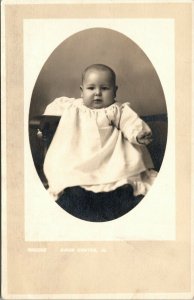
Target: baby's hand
144 138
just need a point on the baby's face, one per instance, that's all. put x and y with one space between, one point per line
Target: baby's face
98 89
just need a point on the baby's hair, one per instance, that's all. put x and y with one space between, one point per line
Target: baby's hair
99 67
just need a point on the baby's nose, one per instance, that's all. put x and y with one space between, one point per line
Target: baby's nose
98 91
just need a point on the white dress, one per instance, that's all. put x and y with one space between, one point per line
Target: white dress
97 148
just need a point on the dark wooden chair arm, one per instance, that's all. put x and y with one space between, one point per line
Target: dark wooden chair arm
46 125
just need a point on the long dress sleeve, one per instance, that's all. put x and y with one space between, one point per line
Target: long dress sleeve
131 124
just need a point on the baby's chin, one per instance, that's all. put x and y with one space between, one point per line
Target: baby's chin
98 104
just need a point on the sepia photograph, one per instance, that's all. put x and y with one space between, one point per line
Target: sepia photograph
98 166
97 150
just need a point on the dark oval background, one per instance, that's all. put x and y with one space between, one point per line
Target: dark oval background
137 83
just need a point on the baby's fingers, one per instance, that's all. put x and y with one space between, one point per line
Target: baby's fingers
148 140
144 134
145 140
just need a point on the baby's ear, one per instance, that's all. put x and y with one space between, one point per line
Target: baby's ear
81 89
116 88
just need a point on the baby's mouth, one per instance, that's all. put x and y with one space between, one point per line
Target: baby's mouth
97 100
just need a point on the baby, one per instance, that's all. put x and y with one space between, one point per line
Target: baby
99 147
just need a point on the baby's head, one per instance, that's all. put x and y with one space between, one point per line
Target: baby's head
98 88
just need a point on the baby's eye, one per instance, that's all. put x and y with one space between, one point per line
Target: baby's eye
104 88
90 88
